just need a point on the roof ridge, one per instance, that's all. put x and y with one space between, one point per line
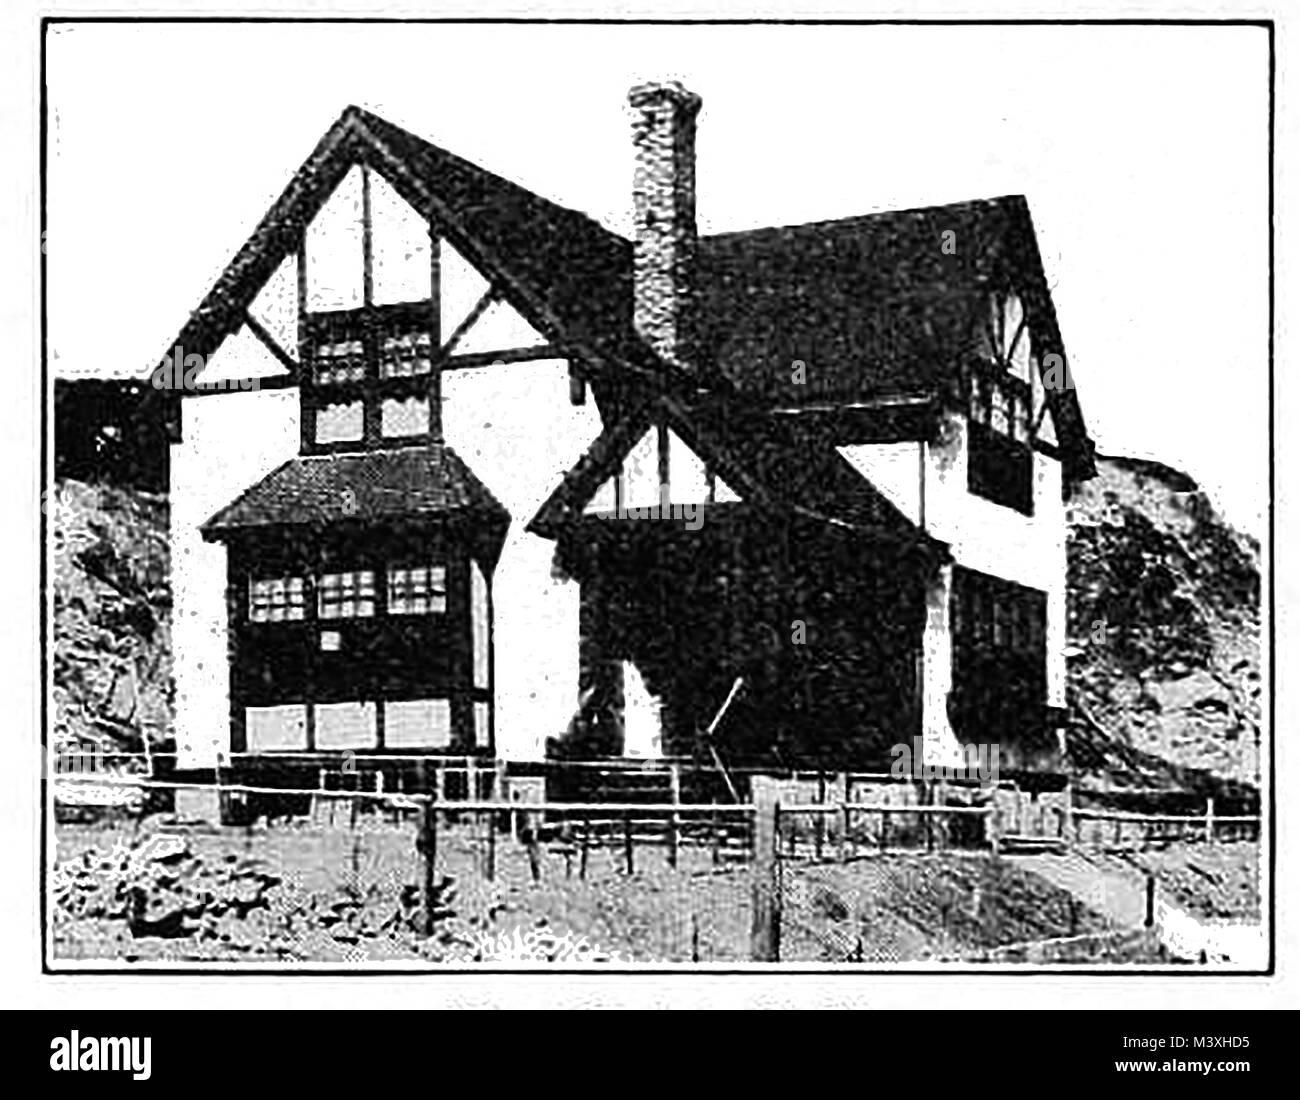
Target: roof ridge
866 219
367 118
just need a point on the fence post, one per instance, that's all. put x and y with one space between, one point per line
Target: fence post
1209 819
532 826
471 779
819 835
675 791
765 931
927 820
428 846
1151 901
323 806
627 841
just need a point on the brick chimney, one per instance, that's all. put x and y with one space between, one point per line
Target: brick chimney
663 191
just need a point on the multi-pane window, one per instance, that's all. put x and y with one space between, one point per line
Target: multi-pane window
989 613
1000 404
1000 456
999 639
277 599
342 361
417 591
405 354
373 376
1000 461
347 595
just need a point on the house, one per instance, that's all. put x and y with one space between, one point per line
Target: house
457 469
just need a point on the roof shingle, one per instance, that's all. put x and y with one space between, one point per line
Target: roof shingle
403 483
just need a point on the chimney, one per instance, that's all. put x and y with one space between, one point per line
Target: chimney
663 192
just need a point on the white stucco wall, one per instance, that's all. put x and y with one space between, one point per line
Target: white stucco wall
518 432
229 442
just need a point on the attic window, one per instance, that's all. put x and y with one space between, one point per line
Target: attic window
344 361
399 419
1000 404
340 423
1005 339
1000 462
405 355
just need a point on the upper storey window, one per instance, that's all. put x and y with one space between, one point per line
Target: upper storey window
1000 460
370 362
340 361
371 374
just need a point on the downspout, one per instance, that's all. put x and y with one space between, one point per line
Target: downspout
920 451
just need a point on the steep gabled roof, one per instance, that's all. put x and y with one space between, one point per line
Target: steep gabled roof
569 276
399 484
873 306
870 304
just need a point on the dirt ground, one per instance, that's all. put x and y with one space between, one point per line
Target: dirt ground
1211 881
295 893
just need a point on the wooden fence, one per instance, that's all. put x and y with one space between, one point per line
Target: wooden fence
764 832
1125 830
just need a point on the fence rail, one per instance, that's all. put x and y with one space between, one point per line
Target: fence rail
764 831
1143 829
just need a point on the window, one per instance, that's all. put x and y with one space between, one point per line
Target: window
343 361
1000 461
276 600
405 355
347 595
417 724
281 727
404 418
417 591
345 725
340 423
999 645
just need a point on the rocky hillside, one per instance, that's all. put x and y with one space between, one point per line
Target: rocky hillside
1164 628
1164 633
110 644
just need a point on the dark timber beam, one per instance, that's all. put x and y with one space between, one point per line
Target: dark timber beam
536 353
511 355
271 344
490 297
